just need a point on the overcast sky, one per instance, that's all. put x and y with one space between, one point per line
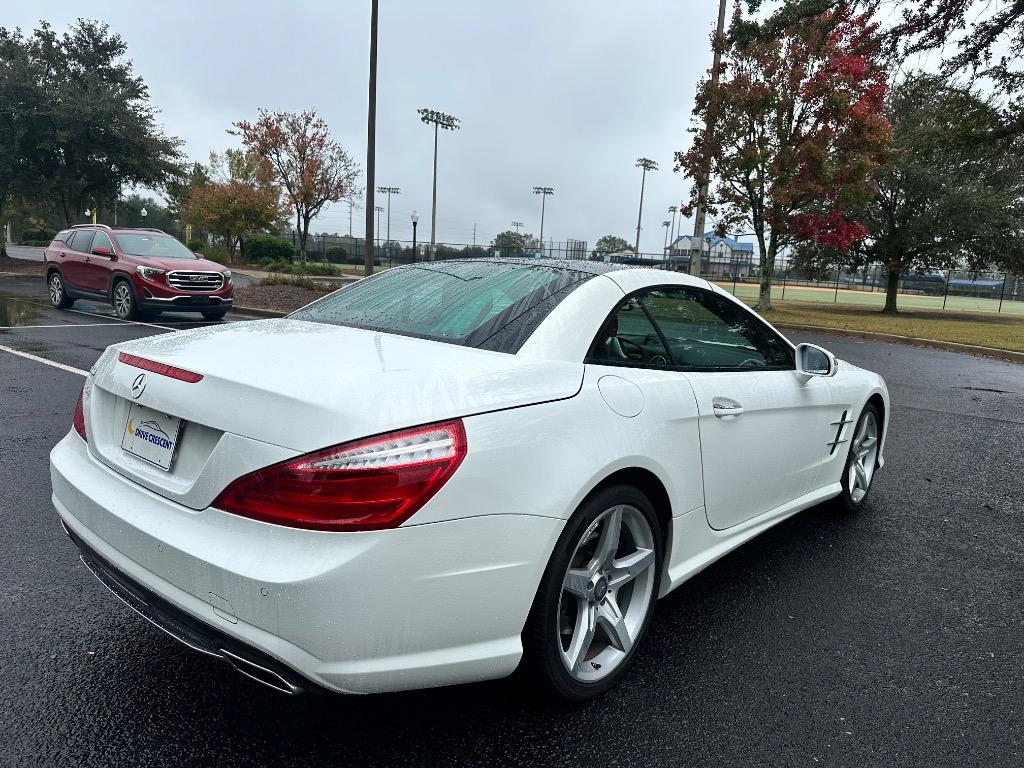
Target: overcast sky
564 94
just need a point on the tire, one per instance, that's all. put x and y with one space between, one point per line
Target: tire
55 288
123 300
584 628
214 314
861 461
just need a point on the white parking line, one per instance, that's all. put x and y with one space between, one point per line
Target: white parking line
118 319
44 361
65 325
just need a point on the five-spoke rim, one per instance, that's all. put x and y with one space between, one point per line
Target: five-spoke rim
606 593
56 290
122 300
864 455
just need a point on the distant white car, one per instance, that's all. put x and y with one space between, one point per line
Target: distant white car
453 469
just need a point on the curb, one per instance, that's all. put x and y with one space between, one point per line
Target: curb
1008 355
258 311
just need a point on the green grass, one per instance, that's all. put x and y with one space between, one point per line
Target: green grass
1000 331
877 298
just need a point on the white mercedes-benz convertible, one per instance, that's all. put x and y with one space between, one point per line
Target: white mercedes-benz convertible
452 470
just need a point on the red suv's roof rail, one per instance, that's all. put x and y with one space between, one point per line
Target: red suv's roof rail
137 229
82 226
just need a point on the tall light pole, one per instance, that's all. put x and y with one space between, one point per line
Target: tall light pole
664 249
448 123
705 178
143 213
647 165
517 225
543 192
371 142
379 210
389 191
672 236
415 220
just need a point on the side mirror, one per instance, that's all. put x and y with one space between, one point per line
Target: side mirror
197 254
102 250
812 360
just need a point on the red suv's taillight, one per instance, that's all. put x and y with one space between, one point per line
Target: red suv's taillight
79 419
379 482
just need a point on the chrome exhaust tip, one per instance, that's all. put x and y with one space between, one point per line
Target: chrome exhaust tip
260 674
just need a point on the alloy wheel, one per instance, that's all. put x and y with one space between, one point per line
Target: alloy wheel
864 453
56 290
123 300
607 592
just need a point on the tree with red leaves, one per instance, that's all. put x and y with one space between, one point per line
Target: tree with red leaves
310 165
797 132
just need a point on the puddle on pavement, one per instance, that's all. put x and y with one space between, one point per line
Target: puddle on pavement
17 310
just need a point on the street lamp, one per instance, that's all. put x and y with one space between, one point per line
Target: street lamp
88 213
143 213
647 165
543 192
448 123
415 220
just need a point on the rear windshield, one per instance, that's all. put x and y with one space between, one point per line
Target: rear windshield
157 246
486 304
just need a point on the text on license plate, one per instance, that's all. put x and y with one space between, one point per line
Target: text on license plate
151 435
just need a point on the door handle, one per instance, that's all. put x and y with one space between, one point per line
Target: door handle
724 407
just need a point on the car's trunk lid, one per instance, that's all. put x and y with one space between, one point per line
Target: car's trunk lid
299 386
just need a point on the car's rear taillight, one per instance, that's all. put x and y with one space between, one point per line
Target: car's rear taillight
79 418
378 482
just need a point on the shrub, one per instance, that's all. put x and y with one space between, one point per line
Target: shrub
196 246
337 254
37 236
215 252
259 248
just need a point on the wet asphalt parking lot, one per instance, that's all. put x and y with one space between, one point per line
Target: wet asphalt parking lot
892 638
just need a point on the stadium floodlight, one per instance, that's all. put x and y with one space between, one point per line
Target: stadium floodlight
440 120
648 165
543 192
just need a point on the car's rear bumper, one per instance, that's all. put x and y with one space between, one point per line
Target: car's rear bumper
413 607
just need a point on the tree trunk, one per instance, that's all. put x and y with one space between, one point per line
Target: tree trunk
892 283
764 295
303 222
3 226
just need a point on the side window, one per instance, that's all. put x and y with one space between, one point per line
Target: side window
705 331
63 237
629 338
102 241
82 241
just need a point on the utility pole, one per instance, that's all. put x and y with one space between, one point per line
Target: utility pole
664 249
647 165
379 209
700 211
371 142
449 123
389 191
474 234
543 192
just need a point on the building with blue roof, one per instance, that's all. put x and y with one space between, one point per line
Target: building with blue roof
722 256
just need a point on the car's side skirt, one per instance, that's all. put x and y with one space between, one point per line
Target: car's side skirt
695 545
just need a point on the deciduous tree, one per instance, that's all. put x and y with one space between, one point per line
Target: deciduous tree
238 200
797 133
610 244
311 166
947 201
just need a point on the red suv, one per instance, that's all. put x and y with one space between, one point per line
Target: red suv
139 271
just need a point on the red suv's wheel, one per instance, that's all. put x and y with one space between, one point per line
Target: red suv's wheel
58 297
124 303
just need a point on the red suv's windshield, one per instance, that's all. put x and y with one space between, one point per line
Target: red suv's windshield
155 246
